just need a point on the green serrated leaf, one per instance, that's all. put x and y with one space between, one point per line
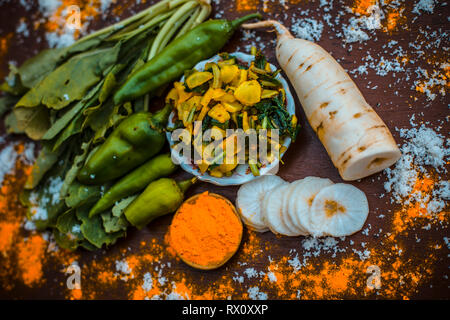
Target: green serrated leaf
79 194
43 163
112 223
93 231
109 84
97 117
33 70
70 81
68 230
72 113
33 121
74 127
121 205
88 246
7 103
75 168
11 124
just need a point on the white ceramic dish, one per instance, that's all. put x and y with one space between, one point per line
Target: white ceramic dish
242 173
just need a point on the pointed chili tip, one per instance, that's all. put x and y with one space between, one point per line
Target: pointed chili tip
186 184
236 23
162 116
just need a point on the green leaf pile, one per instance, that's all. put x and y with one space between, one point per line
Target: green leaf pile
63 98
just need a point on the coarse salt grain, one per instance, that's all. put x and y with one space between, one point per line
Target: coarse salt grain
148 282
255 294
424 6
122 266
423 148
8 156
307 28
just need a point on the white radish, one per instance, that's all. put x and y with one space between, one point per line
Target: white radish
356 139
249 199
272 210
290 216
339 210
303 196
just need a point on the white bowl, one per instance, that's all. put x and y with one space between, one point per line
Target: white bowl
241 174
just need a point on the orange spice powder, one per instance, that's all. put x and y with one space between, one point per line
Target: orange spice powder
8 231
414 212
246 5
30 259
206 231
4 46
362 6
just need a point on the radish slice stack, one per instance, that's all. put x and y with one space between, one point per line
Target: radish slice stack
310 206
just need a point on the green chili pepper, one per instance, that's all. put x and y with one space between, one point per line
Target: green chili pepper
135 140
161 197
135 181
182 54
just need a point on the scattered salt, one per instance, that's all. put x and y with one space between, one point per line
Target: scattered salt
148 282
424 6
307 28
255 294
423 148
8 156
122 266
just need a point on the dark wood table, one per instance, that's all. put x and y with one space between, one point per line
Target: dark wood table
409 268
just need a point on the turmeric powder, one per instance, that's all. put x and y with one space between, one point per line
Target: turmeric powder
205 231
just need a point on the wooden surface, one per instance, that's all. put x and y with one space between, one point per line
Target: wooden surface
395 104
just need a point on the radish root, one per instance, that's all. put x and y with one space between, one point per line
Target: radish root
355 137
278 27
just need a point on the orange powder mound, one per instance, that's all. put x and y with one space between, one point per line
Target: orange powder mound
413 212
246 5
4 46
4 42
8 231
362 6
106 277
76 294
393 18
252 247
30 256
205 232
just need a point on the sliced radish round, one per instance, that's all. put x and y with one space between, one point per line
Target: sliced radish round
339 210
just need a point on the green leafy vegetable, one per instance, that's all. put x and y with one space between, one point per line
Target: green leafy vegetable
11 124
68 230
79 194
273 115
120 206
7 103
93 230
33 121
70 114
43 163
113 224
71 174
70 81
62 98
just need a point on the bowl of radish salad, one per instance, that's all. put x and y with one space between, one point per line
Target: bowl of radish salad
235 91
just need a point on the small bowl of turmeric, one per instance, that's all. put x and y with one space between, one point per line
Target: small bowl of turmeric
206 231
